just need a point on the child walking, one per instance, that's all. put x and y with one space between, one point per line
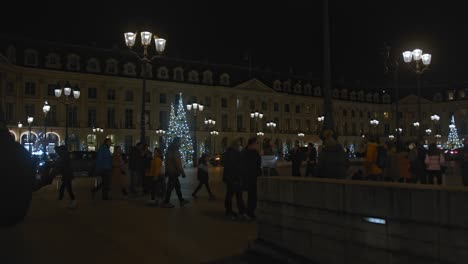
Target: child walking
202 175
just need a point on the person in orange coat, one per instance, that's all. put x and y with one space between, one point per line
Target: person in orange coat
157 179
373 171
118 171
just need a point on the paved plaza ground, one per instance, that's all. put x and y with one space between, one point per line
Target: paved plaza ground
120 231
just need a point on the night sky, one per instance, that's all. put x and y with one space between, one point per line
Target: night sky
281 36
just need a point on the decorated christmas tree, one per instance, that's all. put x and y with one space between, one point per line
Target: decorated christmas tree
178 127
453 142
352 151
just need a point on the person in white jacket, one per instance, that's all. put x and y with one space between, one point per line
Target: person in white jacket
434 160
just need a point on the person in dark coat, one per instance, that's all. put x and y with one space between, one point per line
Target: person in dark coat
17 178
296 156
63 167
136 167
251 169
104 169
332 161
202 176
311 160
230 160
174 169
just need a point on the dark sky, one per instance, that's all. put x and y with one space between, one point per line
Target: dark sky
279 35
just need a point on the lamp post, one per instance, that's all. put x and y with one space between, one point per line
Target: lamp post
256 116
145 60
210 123
67 100
417 56
98 131
301 136
160 133
214 133
428 131
320 120
438 136
416 126
195 108
272 126
45 109
374 123
391 137
19 131
30 120
393 66
435 119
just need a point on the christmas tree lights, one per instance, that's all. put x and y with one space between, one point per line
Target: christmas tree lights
178 127
453 142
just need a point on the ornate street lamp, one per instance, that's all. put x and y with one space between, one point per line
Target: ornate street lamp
195 108
260 134
30 120
19 131
214 133
428 131
67 99
145 60
417 56
391 137
272 126
160 133
320 120
45 109
256 116
210 123
374 123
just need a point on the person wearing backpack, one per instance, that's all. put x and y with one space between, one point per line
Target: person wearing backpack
374 172
434 160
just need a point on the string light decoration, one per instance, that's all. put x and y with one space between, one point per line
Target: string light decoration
178 127
453 142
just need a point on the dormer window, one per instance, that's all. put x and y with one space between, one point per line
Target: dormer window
163 73
111 66
369 97
147 71
30 57
344 94
179 74
308 89
130 69
361 96
298 88
53 61
336 93
207 77
287 86
93 65
73 62
317 91
376 98
277 85
193 77
353 95
224 79
386 99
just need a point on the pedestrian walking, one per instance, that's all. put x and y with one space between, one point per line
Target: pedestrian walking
174 169
136 167
434 160
332 161
251 166
63 168
230 160
103 169
158 179
148 176
296 156
202 176
311 160
374 172
118 172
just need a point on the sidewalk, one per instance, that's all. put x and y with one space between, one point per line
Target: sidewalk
120 231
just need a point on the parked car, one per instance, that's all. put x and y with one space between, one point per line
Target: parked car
83 162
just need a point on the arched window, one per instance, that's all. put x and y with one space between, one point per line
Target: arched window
287 86
73 62
30 57
179 74
386 99
344 94
207 77
298 88
224 79
53 61
111 66
317 91
376 98
163 73
130 69
353 95
193 77
93 65
308 89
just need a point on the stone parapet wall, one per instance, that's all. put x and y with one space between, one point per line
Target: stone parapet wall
323 220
